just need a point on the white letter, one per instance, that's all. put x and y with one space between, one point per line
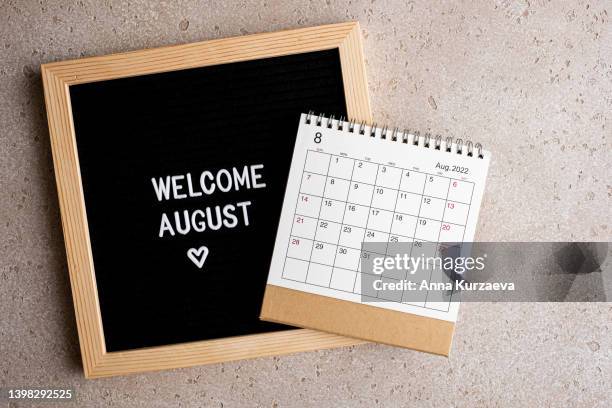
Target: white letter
415 264
190 187
198 226
205 189
243 205
162 189
177 218
255 176
377 284
228 212
165 226
176 187
229 180
377 262
241 180
480 262
209 215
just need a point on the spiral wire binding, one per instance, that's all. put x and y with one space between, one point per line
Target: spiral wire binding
360 128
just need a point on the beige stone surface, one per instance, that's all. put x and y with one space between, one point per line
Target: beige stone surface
531 80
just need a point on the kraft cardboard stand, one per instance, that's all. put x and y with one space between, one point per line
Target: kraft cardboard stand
282 305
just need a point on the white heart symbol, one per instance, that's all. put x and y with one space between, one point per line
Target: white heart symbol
198 255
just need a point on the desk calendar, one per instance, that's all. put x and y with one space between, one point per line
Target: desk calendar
352 184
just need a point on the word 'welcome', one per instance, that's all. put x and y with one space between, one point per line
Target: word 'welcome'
173 187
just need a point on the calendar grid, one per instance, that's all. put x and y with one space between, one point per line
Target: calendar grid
345 191
382 209
438 240
416 225
317 222
399 184
399 168
386 165
291 231
393 216
341 223
463 237
358 249
365 230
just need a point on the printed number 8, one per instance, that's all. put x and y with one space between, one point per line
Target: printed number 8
317 138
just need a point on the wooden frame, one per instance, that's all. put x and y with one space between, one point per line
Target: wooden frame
59 76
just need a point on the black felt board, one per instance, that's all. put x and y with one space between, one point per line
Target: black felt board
133 129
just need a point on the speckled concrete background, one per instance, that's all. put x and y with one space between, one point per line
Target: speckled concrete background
531 80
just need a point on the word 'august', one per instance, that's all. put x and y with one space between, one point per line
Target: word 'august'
212 218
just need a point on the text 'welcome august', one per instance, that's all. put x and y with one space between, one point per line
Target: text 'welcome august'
179 187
